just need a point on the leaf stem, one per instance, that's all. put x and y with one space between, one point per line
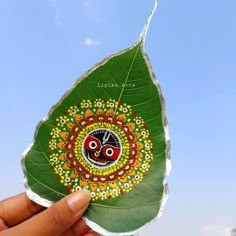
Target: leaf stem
143 34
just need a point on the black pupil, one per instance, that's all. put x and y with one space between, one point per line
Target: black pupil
93 144
109 152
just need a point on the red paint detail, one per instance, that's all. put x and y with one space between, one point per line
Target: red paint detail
115 155
86 176
119 122
121 191
145 127
133 147
144 174
105 100
112 177
103 180
58 177
50 137
79 169
150 163
149 138
71 137
73 164
68 188
78 105
110 118
92 100
90 118
134 113
95 179
109 197
134 185
126 129
127 167
69 155
65 112
100 117
131 161
131 137
52 167
54 124
49 151
119 103
75 128
121 173
87 142
82 122
133 153
152 150
68 146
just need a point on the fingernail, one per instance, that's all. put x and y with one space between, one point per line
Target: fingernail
79 200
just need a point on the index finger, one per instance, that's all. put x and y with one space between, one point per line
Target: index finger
17 209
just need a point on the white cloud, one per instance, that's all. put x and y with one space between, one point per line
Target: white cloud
90 42
216 230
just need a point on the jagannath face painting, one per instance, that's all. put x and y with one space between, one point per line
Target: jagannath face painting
101 148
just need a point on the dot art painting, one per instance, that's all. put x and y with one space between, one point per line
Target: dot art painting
95 146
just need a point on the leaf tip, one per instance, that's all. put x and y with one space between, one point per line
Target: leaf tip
143 34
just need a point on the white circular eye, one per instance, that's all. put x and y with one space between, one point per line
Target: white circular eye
93 145
109 152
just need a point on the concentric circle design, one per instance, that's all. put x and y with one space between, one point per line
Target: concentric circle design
101 145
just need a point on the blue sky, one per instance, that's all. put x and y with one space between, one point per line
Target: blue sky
46 44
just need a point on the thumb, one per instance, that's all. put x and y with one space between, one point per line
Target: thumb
59 217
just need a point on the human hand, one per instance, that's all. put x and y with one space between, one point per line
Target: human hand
21 216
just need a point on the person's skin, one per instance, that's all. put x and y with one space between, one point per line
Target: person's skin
21 216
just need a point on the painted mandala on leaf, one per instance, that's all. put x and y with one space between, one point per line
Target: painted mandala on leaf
101 145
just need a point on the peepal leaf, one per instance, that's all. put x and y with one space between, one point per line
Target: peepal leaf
108 134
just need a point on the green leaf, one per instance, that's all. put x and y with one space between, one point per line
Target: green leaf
107 134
